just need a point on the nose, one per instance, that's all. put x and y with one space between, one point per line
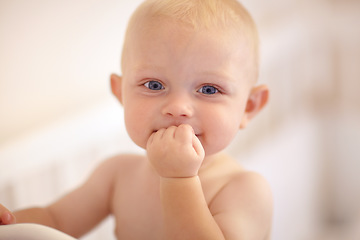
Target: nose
178 106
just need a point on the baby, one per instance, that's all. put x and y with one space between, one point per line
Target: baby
188 84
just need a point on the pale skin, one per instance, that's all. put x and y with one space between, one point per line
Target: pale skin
184 115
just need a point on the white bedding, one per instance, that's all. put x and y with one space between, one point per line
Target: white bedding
29 231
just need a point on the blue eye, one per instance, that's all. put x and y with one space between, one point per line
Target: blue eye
208 90
154 85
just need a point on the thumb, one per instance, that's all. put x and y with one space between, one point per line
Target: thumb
6 217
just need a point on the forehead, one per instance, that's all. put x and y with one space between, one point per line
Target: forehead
172 41
223 17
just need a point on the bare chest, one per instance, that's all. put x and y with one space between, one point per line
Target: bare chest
137 205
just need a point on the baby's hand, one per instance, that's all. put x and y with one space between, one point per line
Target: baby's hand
175 152
6 217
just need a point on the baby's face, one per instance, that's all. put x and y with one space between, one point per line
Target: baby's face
174 76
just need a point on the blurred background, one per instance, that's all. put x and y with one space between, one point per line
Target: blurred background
58 119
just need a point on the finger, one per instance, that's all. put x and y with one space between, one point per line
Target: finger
170 132
184 133
155 136
150 140
198 147
159 134
7 218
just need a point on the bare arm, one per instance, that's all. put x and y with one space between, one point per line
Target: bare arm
186 214
32 215
80 210
35 215
241 210
176 154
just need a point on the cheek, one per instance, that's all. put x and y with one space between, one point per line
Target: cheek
219 133
136 121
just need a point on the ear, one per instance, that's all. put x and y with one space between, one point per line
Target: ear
257 100
116 86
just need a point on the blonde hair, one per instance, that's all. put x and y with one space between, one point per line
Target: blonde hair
202 14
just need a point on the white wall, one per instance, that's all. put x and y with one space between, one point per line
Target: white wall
56 58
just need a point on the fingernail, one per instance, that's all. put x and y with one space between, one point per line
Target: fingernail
7 217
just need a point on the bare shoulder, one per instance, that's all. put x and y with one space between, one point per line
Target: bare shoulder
244 187
253 184
243 206
123 163
115 169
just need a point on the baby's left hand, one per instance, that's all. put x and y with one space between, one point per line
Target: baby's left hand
175 152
